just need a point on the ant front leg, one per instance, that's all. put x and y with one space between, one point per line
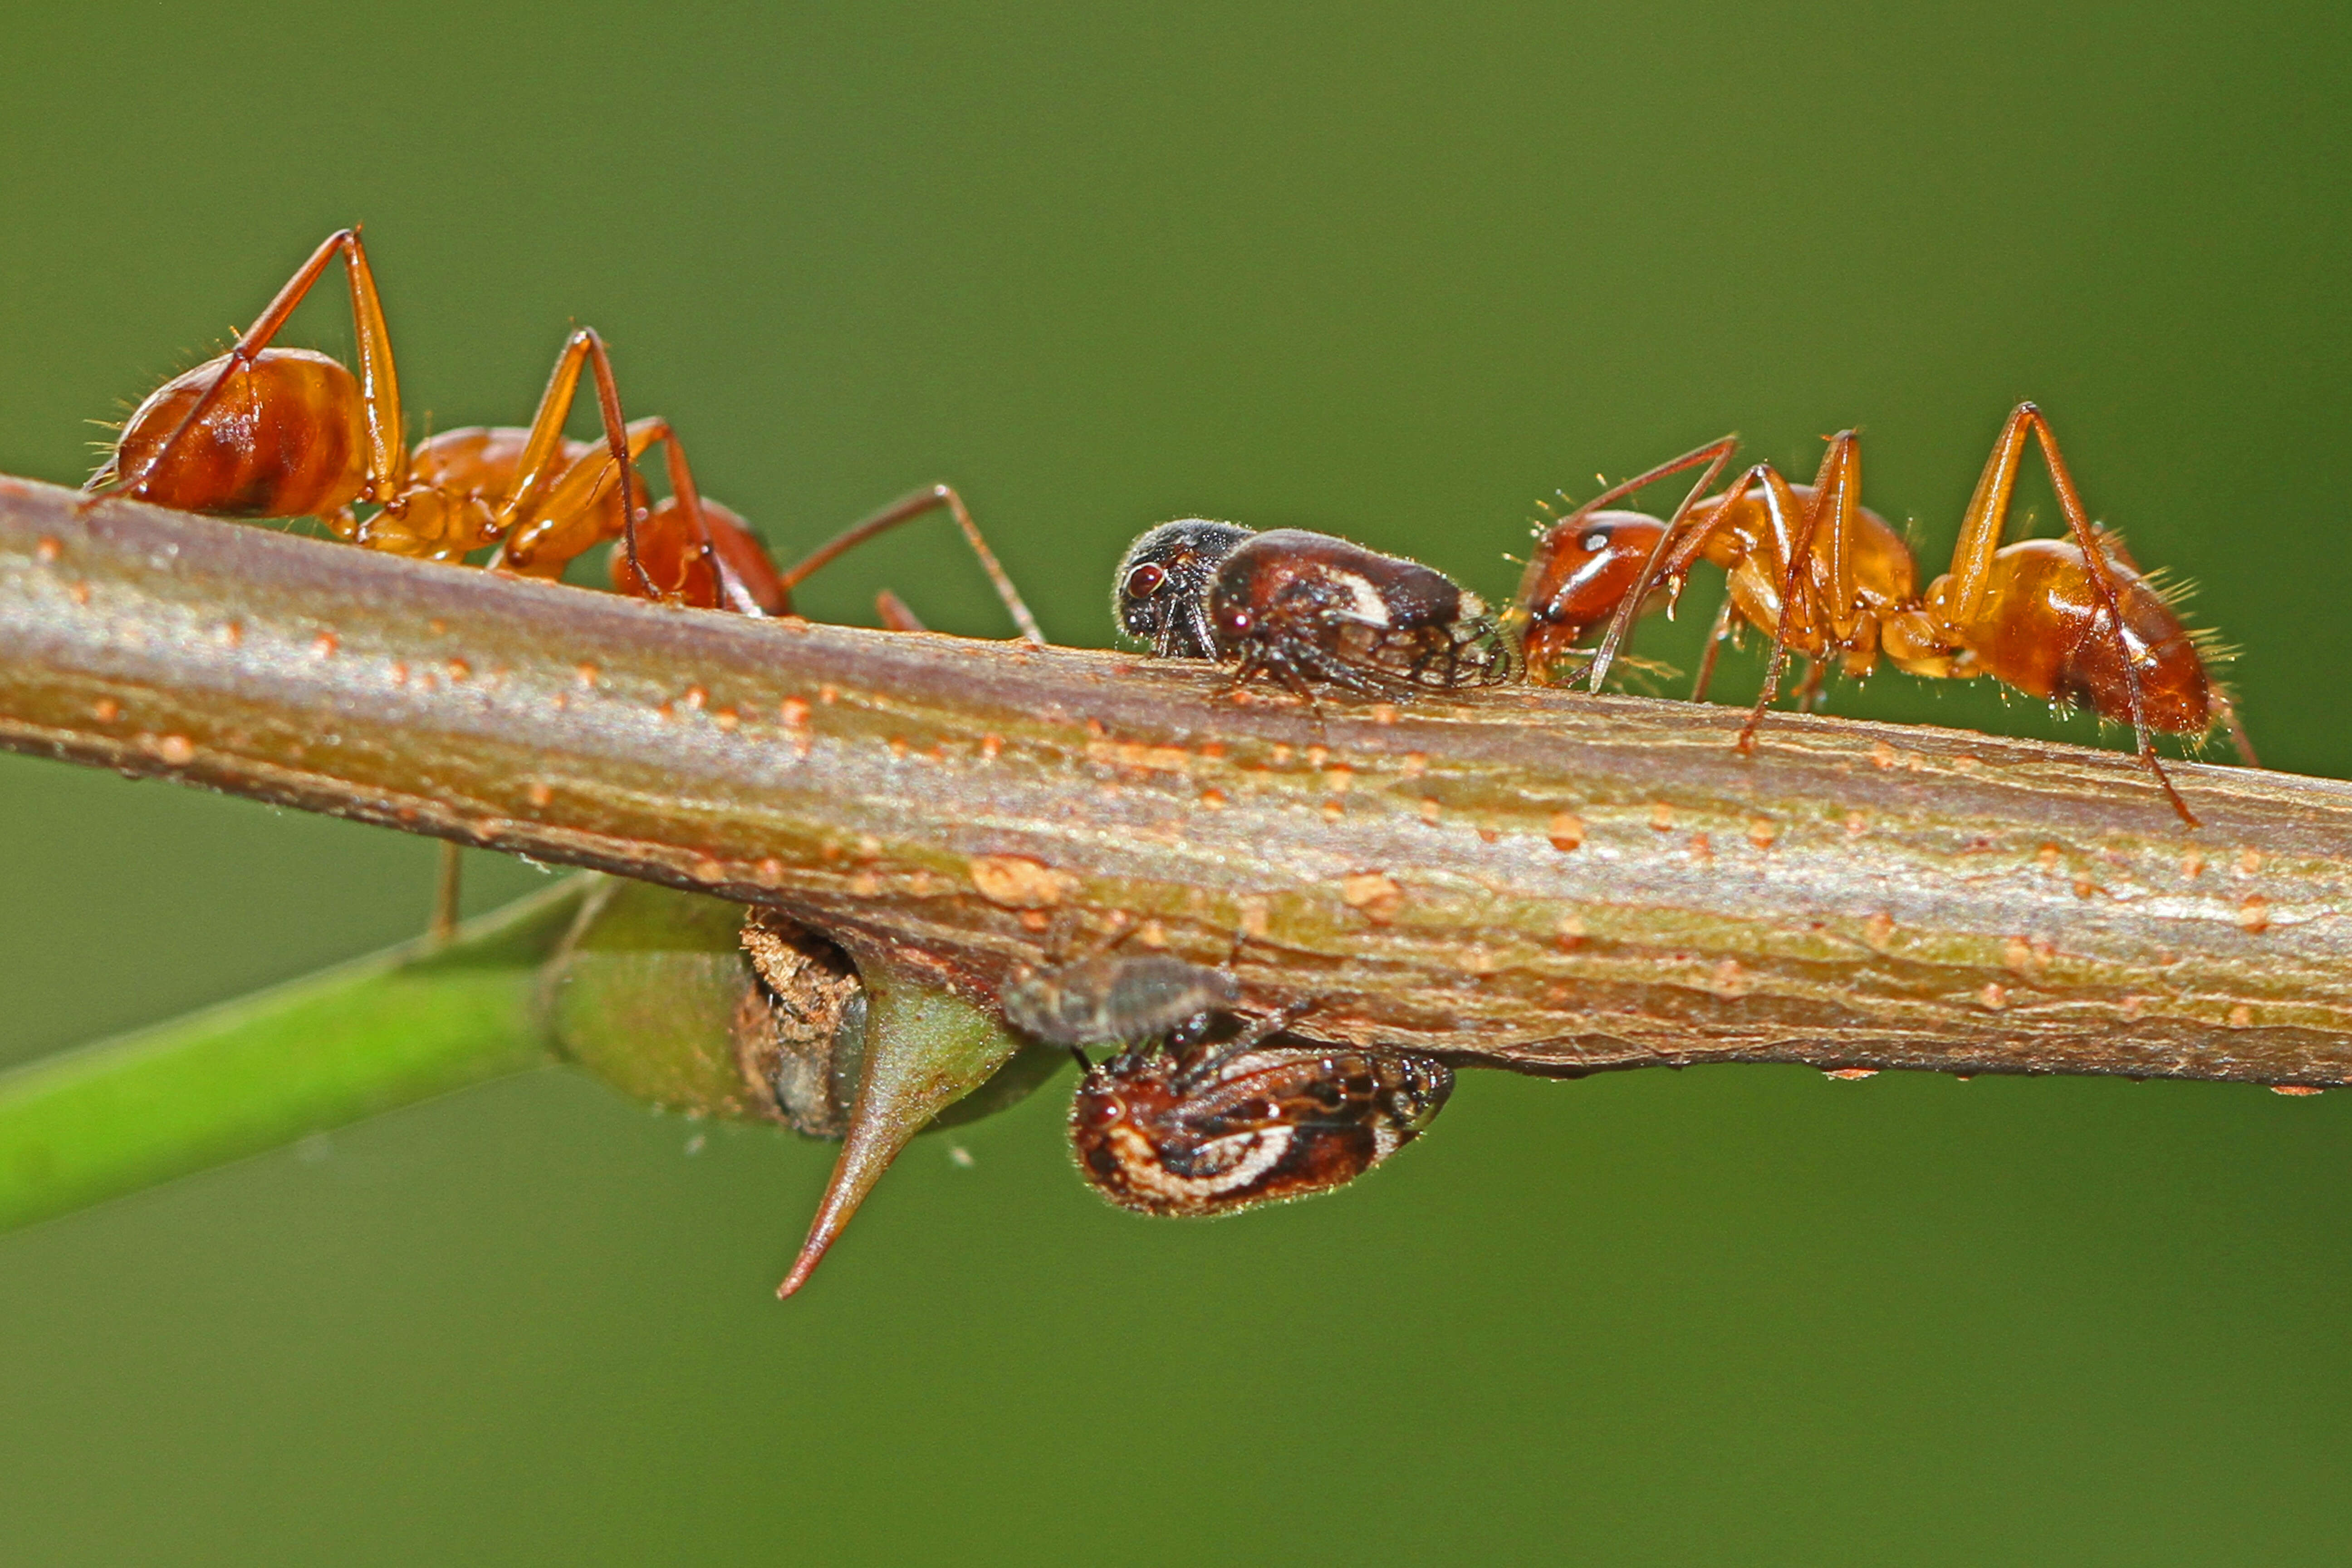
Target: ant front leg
1711 458
906 508
1836 497
895 614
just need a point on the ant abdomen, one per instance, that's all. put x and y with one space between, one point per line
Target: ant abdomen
283 438
2048 636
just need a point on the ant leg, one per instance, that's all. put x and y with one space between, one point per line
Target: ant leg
1809 691
734 592
551 491
1836 495
1715 641
387 461
1981 531
2238 736
905 509
896 614
447 883
1714 454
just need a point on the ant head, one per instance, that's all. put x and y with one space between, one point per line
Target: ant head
1582 569
1164 579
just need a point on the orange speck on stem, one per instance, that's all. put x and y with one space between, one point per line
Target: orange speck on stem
1017 881
1375 893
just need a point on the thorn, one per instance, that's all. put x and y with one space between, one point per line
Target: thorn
925 1050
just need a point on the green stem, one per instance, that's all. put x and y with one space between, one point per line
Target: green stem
266 1071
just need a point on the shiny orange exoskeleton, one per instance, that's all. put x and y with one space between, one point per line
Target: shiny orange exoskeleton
274 432
2073 621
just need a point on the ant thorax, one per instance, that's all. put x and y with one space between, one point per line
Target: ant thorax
1161 595
1206 1126
1301 606
1115 997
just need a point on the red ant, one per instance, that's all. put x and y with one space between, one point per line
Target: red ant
271 432
274 432
2073 621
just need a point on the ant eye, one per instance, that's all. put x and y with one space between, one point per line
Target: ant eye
1144 582
1595 540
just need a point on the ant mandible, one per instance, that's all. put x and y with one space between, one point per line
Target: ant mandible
2072 621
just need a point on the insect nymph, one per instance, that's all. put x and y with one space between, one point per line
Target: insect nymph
1115 997
1206 1114
1200 1127
1298 606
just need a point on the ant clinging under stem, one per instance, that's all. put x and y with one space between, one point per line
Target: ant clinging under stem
2073 621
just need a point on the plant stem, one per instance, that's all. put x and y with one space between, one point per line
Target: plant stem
264 1071
1526 879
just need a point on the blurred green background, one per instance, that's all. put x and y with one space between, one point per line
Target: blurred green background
1370 270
